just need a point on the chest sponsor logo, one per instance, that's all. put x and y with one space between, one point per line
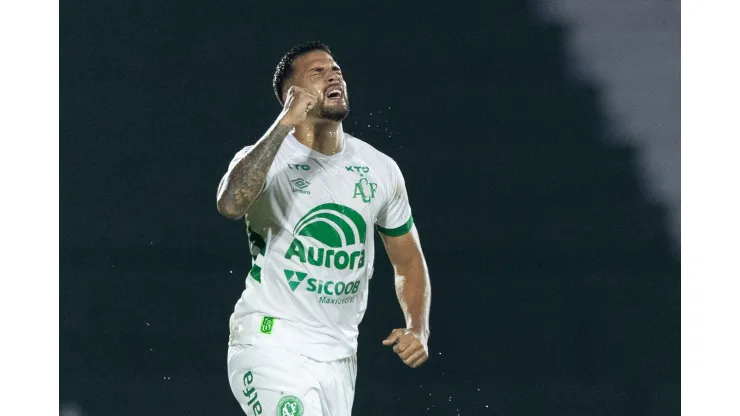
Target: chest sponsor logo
330 291
330 236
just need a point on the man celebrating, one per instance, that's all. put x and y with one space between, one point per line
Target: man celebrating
311 195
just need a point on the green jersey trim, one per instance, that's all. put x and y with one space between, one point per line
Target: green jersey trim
257 240
398 231
256 273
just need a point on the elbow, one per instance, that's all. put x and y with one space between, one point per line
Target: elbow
229 210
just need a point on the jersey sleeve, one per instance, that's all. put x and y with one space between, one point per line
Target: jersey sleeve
394 218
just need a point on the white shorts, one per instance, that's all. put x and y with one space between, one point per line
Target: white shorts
276 382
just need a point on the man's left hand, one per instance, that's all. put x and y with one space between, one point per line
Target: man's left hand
410 345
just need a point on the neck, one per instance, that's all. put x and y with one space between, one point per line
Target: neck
322 136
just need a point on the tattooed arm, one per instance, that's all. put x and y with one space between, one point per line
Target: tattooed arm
243 183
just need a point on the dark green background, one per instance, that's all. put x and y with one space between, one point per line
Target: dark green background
555 290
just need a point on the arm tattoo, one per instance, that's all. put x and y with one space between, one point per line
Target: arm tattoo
243 184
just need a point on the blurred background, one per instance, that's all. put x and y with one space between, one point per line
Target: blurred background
540 142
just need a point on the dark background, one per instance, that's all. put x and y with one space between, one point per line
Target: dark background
555 288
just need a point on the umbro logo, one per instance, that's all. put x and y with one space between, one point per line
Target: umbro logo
300 185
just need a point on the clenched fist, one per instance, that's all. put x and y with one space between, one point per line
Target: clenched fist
298 102
410 345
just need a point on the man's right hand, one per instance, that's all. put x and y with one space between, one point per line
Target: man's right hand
298 102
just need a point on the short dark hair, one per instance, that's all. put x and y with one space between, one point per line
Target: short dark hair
285 66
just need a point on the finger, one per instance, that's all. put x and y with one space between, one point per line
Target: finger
288 99
393 337
421 360
411 359
296 89
293 92
407 340
411 350
401 345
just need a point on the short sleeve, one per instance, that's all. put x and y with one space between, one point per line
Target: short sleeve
394 218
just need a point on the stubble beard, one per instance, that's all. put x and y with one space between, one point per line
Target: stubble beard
334 113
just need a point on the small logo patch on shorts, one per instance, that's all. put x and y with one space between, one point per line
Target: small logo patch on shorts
266 327
290 406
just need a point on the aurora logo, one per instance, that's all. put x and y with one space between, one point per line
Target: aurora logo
334 226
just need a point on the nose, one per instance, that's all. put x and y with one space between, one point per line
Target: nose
334 77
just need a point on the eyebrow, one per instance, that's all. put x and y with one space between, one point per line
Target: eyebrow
321 68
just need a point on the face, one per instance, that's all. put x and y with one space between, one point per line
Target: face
317 72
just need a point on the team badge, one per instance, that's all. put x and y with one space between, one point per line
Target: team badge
290 406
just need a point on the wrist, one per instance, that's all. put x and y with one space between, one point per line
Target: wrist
285 121
424 332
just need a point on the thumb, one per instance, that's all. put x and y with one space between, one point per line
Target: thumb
392 338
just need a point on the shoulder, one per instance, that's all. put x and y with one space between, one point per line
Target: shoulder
368 151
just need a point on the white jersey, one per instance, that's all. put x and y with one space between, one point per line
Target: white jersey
311 240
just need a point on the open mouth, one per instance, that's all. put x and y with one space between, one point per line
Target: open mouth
333 93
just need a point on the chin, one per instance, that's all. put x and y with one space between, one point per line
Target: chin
335 113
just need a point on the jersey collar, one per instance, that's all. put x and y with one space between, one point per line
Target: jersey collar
303 149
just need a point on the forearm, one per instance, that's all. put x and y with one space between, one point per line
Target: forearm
414 293
244 182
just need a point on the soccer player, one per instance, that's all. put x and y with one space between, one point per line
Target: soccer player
311 195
